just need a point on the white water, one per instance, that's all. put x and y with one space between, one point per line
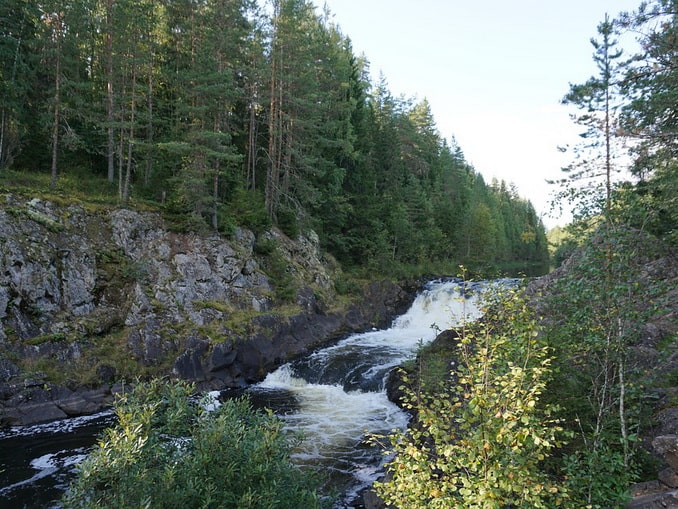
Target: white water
338 392
37 462
333 398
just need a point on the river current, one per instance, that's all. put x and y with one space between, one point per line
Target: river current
331 399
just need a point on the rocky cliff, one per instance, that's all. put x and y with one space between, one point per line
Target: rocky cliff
92 297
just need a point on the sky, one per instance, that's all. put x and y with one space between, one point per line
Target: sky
493 71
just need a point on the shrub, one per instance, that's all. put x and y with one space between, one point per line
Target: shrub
480 439
168 451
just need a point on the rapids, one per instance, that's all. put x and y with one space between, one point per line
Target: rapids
335 396
330 399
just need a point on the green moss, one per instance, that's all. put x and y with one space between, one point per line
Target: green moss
46 338
119 269
222 306
110 350
52 370
37 217
135 271
107 256
113 350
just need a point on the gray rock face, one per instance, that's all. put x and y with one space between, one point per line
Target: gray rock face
667 447
661 493
69 278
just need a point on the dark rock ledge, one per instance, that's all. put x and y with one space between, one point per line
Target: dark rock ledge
210 365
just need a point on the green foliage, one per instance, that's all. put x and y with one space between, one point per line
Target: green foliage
288 222
247 209
628 112
168 451
277 269
562 243
480 439
649 114
345 284
598 478
590 178
270 121
595 312
265 246
597 308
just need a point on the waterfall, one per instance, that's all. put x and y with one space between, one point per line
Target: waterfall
336 395
331 398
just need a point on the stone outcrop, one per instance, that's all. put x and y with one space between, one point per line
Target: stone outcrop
94 296
275 339
662 493
35 400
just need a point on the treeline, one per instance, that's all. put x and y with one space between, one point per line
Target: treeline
228 112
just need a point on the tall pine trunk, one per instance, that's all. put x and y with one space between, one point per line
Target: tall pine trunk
110 152
252 139
130 141
56 119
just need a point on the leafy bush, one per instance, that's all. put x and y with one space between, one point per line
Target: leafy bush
168 451
288 222
480 439
595 316
277 268
247 208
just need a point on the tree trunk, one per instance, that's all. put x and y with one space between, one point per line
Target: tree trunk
149 135
128 172
252 141
272 191
2 139
215 198
273 173
109 91
5 154
57 101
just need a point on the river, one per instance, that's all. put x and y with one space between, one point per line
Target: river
332 398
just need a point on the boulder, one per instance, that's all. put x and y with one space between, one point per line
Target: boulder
662 493
667 447
669 477
662 500
41 402
372 501
189 365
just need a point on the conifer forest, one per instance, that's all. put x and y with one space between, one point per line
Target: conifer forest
240 113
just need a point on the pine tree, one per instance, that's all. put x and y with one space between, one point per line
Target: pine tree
309 110
598 99
17 35
649 117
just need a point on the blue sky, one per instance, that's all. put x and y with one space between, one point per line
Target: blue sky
494 72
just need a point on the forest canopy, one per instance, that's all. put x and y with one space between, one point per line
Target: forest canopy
236 113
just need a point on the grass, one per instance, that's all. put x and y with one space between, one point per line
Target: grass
110 350
75 187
